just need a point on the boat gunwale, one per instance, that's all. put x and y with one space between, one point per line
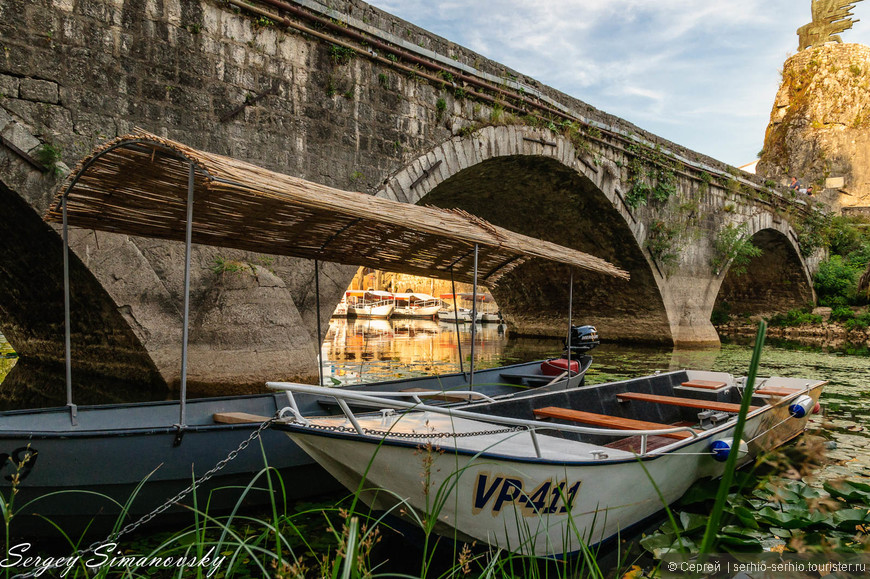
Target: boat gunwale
666 450
205 399
277 396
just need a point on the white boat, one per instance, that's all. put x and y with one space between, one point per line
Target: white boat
488 317
524 476
462 315
451 312
369 304
416 305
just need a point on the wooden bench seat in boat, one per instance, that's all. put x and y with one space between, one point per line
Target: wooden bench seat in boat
606 421
705 384
772 391
238 418
684 402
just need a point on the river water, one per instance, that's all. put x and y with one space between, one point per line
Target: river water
372 350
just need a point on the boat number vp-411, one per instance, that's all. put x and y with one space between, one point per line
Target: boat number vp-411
22 460
494 491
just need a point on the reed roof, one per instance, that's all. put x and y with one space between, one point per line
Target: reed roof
137 185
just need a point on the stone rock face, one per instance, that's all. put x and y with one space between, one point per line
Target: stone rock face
819 128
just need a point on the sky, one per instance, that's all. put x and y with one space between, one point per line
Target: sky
700 73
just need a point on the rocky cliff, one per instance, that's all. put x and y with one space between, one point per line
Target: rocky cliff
819 128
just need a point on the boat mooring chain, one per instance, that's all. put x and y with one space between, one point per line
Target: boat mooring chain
415 435
166 505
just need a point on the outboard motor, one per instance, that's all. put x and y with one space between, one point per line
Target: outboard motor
583 339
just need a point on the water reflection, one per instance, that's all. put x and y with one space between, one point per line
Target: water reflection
369 351
361 350
372 350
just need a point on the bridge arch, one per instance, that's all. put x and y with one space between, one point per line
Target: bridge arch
536 183
776 281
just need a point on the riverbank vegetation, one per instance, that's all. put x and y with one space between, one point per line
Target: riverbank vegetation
841 283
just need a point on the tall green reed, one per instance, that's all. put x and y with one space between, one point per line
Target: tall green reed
714 522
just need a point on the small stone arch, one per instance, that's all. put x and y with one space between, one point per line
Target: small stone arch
537 183
778 280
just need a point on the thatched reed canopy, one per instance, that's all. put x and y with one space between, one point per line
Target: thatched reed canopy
138 184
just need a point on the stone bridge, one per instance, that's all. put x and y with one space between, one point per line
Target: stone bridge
357 99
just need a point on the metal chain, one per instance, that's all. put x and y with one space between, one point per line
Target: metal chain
169 503
415 435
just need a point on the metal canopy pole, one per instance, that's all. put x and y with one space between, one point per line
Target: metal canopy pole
473 318
319 334
73 411
456 321
182 419
570 313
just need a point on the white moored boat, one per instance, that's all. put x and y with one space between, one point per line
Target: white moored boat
462 315
549 473
416 305
369 304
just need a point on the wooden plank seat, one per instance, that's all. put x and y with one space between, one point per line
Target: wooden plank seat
773 391
705 384
238 418
606 421
684 402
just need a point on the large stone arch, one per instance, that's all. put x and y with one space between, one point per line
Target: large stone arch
32 315
538 184
776 281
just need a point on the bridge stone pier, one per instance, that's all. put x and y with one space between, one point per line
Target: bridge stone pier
357 99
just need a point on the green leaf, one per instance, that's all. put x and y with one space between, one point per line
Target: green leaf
848 519
655 542
745 516
785 519
849 490
702 491
729 542
692 522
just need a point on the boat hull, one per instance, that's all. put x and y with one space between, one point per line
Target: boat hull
450 316
517 500
384 311
420 312
116 447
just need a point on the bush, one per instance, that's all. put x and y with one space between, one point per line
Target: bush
860 322
836 282
721 314
841 314
795 318
845 236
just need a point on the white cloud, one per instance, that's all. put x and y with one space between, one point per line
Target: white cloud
701 73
